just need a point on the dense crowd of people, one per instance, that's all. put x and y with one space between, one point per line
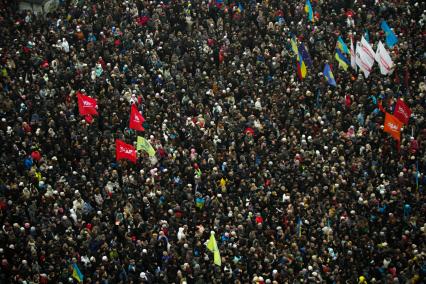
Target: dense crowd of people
296 178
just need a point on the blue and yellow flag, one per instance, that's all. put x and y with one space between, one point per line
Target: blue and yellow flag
329 75
240 7
343 61
301 67
76 273
305 55
294 44
342 45
391 38
309 11
199 202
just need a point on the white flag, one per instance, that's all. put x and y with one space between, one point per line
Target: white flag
353 57
367 49
382 57
360 62
364 56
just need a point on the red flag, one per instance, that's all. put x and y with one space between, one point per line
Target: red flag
402 112
393 126
136 119
125 151
89 119
86 104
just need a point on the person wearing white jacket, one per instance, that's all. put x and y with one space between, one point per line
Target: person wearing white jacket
65 45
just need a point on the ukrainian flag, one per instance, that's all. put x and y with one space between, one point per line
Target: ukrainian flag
76 273
309 11
329 75
343 61
199 202
301 66
240 8
342 45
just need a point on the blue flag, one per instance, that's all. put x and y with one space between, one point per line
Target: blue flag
305 55
391 38
329 75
